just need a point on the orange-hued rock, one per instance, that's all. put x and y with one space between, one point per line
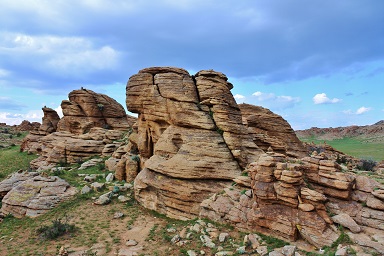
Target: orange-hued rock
189 128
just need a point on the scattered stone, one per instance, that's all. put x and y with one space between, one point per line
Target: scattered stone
275 253
262 250
90 163
118 215
223 253
196 228
85 190
207 241
341 250
109 177
289 250
104 199
171 230
223 237
97 186
175 239
191 253
131 242
123 199
253 239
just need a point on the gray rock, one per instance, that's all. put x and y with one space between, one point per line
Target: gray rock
223 253
85 190
171 230
289 250
131 242
262 250
118 215
191 253
275 253
90 163
222 237
109 177
104 199
123 199
175 239
341 250
97 186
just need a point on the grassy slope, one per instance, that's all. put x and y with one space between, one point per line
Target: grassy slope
11 160
357 147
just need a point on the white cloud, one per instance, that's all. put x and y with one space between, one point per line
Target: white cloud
12 119
3 72
321 98
239 96
359 111
271 100
59 111
61 55
362 110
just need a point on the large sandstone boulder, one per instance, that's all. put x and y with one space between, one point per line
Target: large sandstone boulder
189 132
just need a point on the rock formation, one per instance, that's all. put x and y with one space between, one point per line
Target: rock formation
30 194
271 130
194 142
28 126
91 122
86 109
190 136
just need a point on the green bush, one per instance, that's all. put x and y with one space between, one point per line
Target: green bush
58 228
366 164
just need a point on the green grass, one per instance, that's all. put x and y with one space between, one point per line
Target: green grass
357 147
12 160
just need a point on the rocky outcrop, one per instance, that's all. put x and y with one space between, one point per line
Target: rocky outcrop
65 147
27 126
192 142
50 121
30 194
271 130
91 125
86 109
189 133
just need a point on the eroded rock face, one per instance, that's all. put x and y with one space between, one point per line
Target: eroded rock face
31 194
271 130
86 109
190 132
65 147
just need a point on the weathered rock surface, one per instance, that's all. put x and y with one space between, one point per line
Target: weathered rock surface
271 130
86 109
190 133
91 121
32 194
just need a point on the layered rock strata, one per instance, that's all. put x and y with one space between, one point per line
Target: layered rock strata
86 109
91 124
270 130
190 138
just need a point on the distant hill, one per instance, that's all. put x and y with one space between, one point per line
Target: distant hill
360 141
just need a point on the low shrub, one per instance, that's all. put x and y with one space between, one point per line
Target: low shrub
58 228
366 164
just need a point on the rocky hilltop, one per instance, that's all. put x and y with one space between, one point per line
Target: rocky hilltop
194 152
374 131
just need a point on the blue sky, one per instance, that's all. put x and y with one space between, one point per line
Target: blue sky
317 63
